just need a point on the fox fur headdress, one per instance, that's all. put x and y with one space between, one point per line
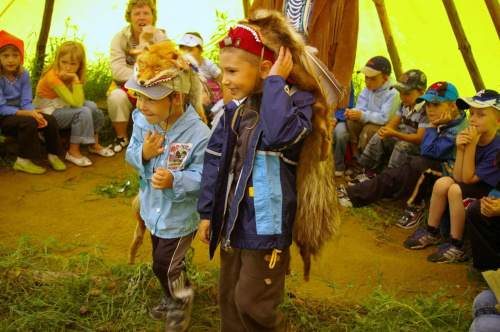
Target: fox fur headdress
162 67
317 218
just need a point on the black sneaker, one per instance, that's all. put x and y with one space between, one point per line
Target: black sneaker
448 253
359 179
179 313
118 144
411 217
161 310
420 239
353 167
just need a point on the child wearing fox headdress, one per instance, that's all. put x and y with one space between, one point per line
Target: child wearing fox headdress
166 148
248 194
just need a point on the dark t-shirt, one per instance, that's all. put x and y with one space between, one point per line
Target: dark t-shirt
485 162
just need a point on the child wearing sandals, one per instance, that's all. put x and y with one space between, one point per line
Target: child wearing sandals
60 93
474 175
18 116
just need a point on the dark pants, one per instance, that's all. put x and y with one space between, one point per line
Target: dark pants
25 128
484 236
250 292
169 265
411 180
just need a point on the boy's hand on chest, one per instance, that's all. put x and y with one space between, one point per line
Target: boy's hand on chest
152 145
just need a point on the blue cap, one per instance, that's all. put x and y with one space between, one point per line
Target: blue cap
439 92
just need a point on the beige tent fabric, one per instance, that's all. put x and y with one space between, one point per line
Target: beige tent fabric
336 44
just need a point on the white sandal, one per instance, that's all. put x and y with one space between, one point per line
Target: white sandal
82 162
106 152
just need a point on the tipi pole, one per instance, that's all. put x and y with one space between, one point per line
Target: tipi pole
494 9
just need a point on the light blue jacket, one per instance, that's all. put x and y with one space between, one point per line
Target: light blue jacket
378 106
171 213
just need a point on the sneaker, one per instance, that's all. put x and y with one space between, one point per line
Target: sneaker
179 314
411 217
118 144
343 197
420 239
448 253
159 312
353 167
30 168
339 174
359 179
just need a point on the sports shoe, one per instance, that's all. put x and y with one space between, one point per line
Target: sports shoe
353 167
359 179
30 168
118 144
339 174
159 312
448 253
420 239
411 217
179 314
343 197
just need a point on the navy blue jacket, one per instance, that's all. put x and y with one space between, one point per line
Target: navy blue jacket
265 199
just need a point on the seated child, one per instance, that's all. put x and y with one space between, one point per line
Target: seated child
340 141
192 44
18 116
374 108
167 148
402 136
437 153
474 175
60 93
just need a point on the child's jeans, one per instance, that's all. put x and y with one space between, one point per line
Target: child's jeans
250 292
85 122
340 140
486 316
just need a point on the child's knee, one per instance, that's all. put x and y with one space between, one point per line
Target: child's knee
455 191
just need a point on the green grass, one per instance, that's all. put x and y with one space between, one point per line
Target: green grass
127 186
42 291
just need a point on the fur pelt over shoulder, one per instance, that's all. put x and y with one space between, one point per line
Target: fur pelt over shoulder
317 218
159 62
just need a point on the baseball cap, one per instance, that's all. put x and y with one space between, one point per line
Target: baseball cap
375 66
8 39
191 40
248 39
439 92
482 99
412 79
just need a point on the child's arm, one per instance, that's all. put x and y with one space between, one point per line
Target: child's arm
490 207
465 167
361 105
385 133
436 147
204 231
391 100
73 97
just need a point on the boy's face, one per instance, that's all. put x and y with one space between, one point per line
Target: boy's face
436 110
240 76
69 64
484 119
375 82
10 59
155 111
193 51
409 98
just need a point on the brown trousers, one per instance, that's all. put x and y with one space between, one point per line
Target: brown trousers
250 292
361 133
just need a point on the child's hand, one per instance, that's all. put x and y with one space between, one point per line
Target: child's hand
284 64
352 114
490 207
69 77
385 132
152 145
333 123
474 136
444 118
146 34
204 231
162 179
463 138
37 114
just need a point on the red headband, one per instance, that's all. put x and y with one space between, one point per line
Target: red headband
247 39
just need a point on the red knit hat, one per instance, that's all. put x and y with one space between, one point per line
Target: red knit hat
8 39
247 39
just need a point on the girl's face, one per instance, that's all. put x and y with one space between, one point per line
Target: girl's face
140 17
10 59
69 64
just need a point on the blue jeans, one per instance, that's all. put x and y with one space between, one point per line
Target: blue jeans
340 140
486 317
85 122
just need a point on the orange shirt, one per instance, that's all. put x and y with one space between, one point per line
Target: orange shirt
47 83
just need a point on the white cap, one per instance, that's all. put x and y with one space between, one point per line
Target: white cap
191 40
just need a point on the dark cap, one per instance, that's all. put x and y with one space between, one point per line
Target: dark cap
412 79
439 92
482 99
375 66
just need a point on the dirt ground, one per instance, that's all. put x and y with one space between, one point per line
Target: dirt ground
64 206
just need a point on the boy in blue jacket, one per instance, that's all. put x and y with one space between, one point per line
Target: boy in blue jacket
437 154
167 147
248 195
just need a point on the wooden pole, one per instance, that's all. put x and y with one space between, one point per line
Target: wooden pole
42 39
389 39
463 44
246 7
494 9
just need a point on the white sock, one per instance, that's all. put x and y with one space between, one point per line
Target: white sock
23 161
52 157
